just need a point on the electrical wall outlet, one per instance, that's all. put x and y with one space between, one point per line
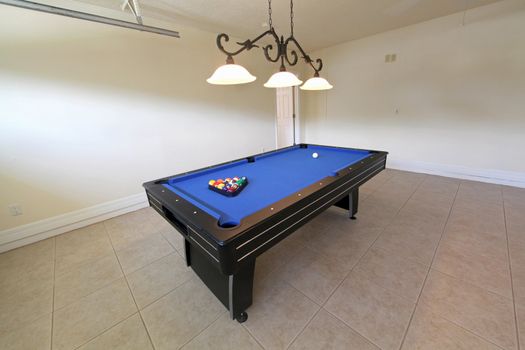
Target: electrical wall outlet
390 58
15 209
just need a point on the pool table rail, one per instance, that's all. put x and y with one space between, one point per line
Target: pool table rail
228 246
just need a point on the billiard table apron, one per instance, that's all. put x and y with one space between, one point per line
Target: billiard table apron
224 258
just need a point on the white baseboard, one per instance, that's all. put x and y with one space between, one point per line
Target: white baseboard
39 230
500 177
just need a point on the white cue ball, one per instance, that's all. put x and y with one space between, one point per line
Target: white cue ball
315 155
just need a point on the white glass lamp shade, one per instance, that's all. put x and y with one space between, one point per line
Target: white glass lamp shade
316 83
282 79
230 74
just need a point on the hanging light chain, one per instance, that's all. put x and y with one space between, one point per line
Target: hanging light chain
291 18
270 14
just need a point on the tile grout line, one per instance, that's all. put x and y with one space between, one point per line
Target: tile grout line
88 294
129 288
374 190
465 329
300 292
202 330
163 295
305 246
473 285
379 186
382 230
353 329
105 331
415 304
101 287
136 305
54 281
305 326
253 336
510 270
123 274
148 264
309 320
361 257
302 329
430 267
322 304
179 254
87 262
169 242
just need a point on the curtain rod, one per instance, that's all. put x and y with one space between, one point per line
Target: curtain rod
87 16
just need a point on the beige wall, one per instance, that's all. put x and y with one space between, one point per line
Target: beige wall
89 112
459 93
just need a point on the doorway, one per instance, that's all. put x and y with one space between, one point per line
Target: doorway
286 130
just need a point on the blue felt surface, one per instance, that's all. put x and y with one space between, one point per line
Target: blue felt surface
271 178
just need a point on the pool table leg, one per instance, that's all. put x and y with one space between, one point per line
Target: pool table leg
354 202
240 287
234 291
350 203
187 254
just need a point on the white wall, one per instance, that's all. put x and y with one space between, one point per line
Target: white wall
89 112
459 91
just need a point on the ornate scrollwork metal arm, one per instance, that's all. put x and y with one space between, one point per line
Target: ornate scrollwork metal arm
281 49
293 53
248 44
268 48
318 62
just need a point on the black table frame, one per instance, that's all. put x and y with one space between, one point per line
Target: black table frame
224 258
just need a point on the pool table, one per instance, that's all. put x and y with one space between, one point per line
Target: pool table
286 188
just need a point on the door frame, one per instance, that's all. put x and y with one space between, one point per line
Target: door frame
293 99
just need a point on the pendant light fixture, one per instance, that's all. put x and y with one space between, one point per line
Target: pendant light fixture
231 73
316 83
282 79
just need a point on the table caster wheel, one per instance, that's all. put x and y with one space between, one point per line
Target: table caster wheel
242 317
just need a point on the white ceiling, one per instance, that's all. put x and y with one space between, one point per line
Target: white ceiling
318 23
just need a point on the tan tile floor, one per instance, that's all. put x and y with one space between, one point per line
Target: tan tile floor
431 263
